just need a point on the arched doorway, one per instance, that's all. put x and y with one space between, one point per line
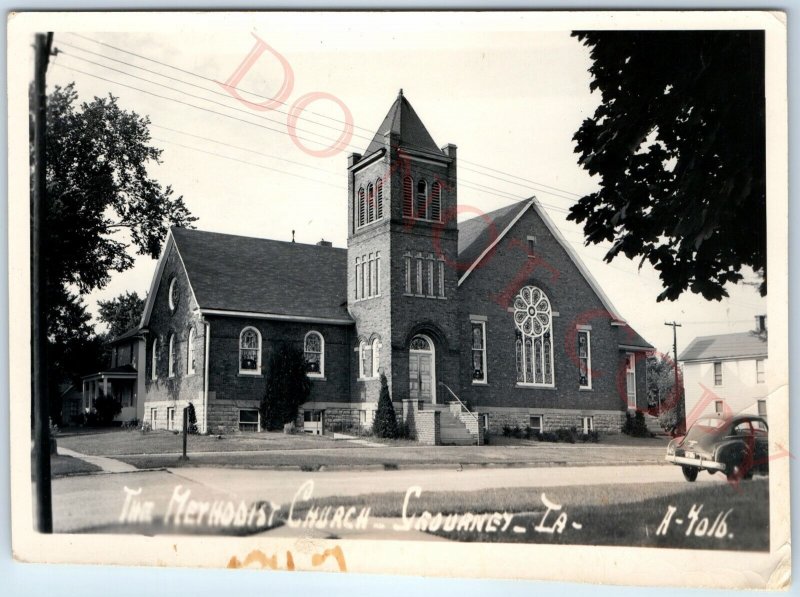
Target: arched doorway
422 369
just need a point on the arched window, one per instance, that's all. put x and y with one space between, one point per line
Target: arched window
314 352
370 203
436 202
362 208
376 357
408 197
379 200
421 204
154 360
171 356
250 351
533 317
190 352
365 360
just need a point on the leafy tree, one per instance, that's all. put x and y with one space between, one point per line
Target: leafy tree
97 187
72 348
121 313
661 390
678 142
385 423
288 387
101 204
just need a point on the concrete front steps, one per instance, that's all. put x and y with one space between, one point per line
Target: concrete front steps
653 426
452 432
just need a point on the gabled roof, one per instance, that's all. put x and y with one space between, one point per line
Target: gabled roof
483 233
477 238
403 120
726 346
257 275
476 234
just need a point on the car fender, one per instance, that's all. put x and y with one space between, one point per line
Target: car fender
730 450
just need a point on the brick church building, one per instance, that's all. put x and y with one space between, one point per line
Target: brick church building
483 323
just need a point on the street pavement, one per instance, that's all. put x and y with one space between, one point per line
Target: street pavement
83 502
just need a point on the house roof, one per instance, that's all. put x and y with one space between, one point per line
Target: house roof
121 371
257 275
725 346
131 333
403 120
630 337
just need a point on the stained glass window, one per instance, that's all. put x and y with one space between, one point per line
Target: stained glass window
533 318
584 360
313 352
249 351
478 352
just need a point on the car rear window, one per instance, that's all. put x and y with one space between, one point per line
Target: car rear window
705 426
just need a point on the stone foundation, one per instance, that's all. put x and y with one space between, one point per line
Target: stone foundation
603 421
223 415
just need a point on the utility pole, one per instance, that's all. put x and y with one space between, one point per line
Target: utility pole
41 405
675 325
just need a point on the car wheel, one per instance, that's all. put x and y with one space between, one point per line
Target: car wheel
689 473
736 470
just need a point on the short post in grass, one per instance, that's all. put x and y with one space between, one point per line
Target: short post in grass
185 432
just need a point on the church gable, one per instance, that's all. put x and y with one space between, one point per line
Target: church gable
532 358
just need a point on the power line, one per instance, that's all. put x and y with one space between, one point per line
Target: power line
201 87
516 183
219 155
209 79
205 99
172 99
520 178
484 188
333 119
241 148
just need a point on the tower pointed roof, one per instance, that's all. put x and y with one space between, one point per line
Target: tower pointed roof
403 120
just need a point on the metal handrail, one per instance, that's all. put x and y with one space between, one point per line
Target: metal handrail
464 406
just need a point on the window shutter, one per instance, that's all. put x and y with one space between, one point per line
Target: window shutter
370 204
379 200
420 210
408 197
436 202
361 208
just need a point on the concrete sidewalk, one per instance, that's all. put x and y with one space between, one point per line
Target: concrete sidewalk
107 465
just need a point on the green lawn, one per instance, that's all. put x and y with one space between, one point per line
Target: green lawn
159 449
62 466
126 442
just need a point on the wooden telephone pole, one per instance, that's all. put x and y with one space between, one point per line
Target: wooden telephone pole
41 404
675 325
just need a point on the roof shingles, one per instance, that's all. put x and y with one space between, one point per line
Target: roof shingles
725 346
245 274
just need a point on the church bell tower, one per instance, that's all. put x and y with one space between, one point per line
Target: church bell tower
403 261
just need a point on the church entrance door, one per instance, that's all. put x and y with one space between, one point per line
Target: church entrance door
422 369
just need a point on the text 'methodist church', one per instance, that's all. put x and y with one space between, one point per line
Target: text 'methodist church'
489 322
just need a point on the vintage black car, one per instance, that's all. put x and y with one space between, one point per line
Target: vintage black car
735 446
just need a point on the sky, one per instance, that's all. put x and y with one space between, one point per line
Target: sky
509 94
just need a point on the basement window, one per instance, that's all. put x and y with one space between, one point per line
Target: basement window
249 420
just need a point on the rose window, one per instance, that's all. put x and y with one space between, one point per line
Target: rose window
532 312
